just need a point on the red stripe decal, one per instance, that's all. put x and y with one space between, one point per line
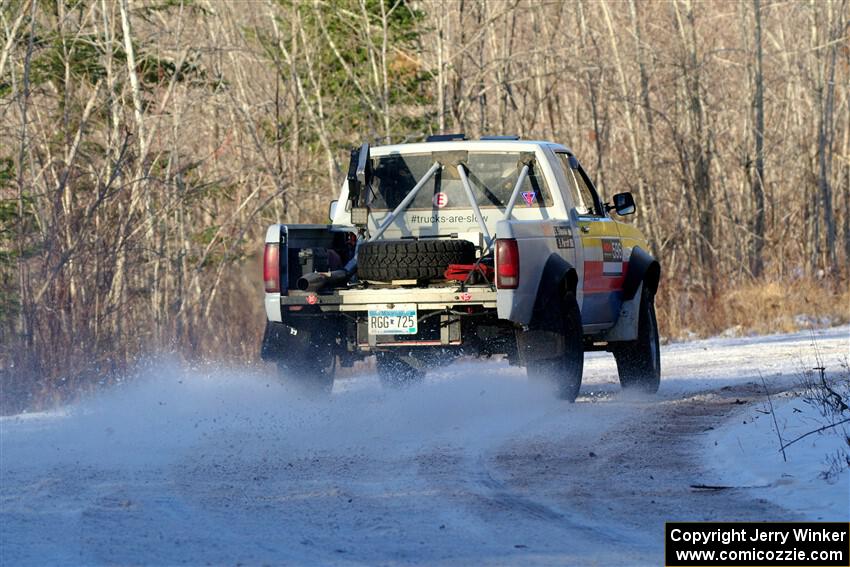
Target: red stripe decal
595 281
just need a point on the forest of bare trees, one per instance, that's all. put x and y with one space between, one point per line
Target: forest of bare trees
144 146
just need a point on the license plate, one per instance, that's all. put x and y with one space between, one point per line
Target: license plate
393 319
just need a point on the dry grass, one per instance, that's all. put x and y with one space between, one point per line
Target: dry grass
759 307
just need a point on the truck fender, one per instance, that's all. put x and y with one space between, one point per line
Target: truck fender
643 268
557 277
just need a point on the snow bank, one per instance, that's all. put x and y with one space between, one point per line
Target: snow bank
745 453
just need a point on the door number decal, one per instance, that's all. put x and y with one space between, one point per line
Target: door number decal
612 256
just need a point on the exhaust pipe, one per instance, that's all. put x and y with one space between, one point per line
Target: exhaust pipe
318 280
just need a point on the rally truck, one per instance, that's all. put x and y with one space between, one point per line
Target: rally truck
455 247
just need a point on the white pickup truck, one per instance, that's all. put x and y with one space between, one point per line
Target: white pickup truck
457 247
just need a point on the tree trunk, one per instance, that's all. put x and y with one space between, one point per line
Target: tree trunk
757 180
826 133
699 144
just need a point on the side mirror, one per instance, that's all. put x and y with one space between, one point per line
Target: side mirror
332 209
624 204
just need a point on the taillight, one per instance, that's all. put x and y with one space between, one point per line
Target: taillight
507 263
271 268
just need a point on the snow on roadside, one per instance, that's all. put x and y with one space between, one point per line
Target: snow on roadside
744 453
717 362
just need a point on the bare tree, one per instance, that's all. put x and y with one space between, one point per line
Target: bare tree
757 225
150 142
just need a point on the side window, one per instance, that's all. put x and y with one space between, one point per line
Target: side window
584 197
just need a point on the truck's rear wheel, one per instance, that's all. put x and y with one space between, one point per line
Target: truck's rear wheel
387 260
559 331
639 361
394 372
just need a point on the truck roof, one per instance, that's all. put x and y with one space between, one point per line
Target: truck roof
470 145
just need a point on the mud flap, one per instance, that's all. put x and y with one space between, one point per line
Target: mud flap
543 339
538 344
280 338
626 328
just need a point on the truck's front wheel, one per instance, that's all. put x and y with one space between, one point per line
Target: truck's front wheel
558 332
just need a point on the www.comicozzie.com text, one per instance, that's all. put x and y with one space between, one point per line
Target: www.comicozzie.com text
726 536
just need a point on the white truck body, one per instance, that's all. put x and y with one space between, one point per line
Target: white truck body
563 233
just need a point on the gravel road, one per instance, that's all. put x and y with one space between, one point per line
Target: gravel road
224 466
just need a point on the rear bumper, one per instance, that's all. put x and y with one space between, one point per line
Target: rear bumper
430 299
448 316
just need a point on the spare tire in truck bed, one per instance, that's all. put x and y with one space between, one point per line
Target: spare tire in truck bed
387 260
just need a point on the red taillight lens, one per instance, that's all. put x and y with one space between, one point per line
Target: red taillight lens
507 263
271 268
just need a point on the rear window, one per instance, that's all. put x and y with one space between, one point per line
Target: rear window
492 177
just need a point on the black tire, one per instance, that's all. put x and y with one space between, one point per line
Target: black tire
394 373
639 361
561 331
387 260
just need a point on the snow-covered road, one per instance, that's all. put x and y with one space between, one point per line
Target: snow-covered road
476 466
